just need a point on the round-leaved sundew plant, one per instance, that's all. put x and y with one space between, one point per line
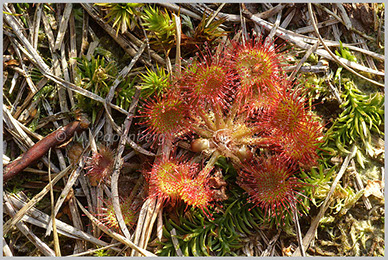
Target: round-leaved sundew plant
100 166
237 102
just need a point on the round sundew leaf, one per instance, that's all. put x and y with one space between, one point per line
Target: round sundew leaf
209 82
100 165
302 148
270 185
167 117
257 66
195 192
108 217
168 179
288 115
164 180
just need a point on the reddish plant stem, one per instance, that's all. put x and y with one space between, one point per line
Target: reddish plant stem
33 154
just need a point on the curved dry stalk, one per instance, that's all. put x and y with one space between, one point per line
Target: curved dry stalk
69 184
57 248
88 252
333 55
119 162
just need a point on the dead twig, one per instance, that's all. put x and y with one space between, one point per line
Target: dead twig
33 154
175 242
305 57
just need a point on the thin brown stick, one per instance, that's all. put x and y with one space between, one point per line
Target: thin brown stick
40 148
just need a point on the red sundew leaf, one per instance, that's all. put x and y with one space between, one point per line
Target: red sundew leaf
196 192
128 209
257 65
166 117
270 185
164 180
302 148
100 165
208 82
